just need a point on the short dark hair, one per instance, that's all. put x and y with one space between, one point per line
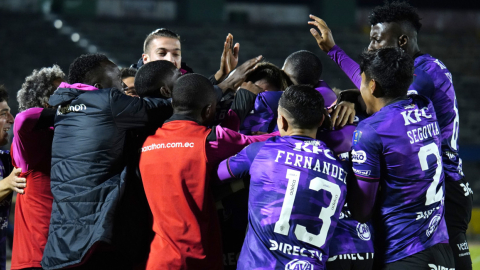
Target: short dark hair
307 67
192 92
128 72
305 104
83 65
38 87
391 68
152 76
396 11
269 72
3 93
160 32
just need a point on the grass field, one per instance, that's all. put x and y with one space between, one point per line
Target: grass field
475 254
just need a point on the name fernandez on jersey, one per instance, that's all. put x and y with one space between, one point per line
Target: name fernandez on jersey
301 161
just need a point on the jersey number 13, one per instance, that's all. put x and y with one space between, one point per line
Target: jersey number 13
282 226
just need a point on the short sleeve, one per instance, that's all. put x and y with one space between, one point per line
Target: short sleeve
238 166
366 152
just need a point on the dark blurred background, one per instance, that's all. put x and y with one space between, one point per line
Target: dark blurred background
39 33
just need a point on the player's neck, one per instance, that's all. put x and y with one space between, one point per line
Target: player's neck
312 133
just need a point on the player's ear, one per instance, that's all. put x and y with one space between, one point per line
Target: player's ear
145 58
375 89
403 41
164 91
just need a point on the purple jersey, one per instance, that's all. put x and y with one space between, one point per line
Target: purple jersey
297 191
400 147
350 236
433 80
264 115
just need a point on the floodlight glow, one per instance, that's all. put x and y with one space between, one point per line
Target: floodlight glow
75 37
92 49
58 24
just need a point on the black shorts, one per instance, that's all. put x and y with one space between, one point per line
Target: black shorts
437 257
458 212
356 261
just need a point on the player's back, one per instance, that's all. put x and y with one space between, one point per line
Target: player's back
407 138
297 191
433 80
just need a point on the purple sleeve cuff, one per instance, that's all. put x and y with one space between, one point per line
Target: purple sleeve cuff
223 171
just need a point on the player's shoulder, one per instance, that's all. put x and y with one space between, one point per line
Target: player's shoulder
429 65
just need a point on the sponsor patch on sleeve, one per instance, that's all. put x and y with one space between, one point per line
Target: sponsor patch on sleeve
359 156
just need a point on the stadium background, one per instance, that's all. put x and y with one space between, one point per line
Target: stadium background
39 33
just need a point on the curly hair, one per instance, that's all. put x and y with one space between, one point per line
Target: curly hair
82 65
396 11
38 87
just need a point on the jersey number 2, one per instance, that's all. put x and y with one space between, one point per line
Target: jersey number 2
282 226
431 149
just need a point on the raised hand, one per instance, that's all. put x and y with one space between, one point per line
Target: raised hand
238 76
325 39
229 59
343 113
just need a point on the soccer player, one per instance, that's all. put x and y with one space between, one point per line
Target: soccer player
128 78
398 149
92 119
264 115
32 151
397 24
297 189
176 164
10 178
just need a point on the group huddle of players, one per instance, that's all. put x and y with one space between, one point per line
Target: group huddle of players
268 166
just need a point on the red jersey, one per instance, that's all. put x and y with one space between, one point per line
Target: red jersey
176 164
31 151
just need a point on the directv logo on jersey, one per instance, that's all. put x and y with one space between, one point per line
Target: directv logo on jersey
359 156
299 265
363 231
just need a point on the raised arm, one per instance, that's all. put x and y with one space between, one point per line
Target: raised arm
223 143
327 44
132 112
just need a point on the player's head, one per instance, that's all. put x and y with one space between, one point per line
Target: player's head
386 74
156 79
395 24
96 70
301 108
194 95
268 77
38 87
303 67
6 118
128 78
162 44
